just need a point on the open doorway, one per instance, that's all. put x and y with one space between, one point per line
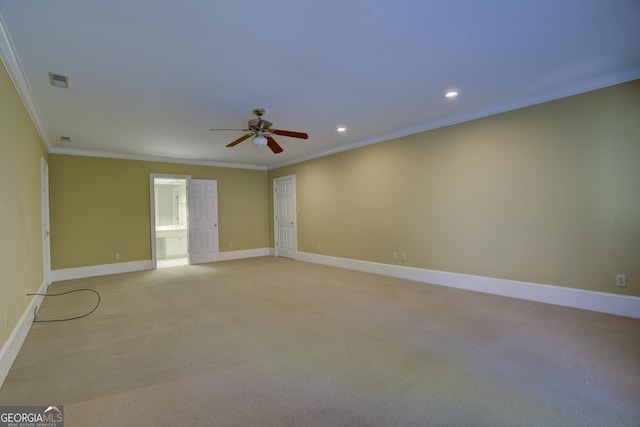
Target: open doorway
170 221
184 220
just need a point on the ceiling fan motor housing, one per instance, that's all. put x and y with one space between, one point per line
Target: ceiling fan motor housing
259 125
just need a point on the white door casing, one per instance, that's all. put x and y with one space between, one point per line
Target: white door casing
285 216
46 234
202 196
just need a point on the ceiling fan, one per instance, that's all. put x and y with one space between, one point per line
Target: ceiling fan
261 131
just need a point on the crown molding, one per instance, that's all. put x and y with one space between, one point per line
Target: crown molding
140 157
11 62
619 77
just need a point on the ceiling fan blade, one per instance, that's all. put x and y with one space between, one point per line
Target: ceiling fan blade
239 140
275 147
231 129
290 133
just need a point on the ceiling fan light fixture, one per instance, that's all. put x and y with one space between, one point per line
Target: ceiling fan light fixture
259 141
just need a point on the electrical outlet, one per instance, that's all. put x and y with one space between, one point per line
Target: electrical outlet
621 280
394 255
318 247
404 257
117 255
230 245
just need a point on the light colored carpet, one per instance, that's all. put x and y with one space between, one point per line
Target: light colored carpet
276 342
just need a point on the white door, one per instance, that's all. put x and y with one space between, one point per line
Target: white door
284 202
46 235
202 195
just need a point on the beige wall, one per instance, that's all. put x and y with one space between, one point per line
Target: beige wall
101 206
547 194
20 235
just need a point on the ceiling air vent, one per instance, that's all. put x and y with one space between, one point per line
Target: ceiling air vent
65 139
59 80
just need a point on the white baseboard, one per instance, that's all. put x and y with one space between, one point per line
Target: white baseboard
99 270
12 346
128 267
621 305
247 253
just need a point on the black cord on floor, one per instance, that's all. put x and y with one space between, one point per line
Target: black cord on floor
70 318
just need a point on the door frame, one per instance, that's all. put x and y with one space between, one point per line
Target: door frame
152 210
294 210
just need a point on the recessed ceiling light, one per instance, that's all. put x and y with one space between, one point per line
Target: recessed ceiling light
59 80
451 94
341 129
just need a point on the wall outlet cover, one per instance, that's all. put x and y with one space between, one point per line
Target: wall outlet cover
621 280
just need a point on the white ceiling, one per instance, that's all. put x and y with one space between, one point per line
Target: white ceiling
148 78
